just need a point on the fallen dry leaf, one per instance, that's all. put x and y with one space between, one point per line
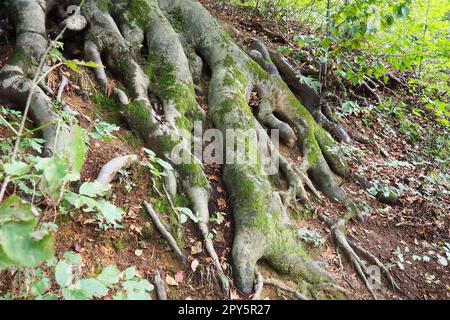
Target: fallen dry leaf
179 276
194 265
171 281
197 248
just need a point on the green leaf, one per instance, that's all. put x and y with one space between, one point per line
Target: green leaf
54 171
76 149
94 189
16 168
72 258
72 66
129 273
40 287
109 214
164 164
109 276
73 294
188 212
17 246
63 273
92 288
14 209
89 64
138 285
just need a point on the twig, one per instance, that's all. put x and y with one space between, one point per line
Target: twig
170 239
62 86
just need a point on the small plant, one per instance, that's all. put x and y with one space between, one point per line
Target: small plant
312 237
125 179
89 200
71 285
103 131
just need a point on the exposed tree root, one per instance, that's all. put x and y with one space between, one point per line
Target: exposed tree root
277 284
171 84
159 284
109 171
169 238
259 286
23 65
261 281
362 267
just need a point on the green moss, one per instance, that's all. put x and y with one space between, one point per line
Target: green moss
194 173
176 19
168 88
166 143
104 5
256 70
139 11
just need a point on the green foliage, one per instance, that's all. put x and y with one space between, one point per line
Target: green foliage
371 37
108 215
23 243
103 130
72 285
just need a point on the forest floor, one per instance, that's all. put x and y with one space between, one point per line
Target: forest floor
400 235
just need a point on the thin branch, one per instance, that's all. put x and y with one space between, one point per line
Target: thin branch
170 239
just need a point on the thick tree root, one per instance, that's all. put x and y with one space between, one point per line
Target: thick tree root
276 65
109 171
16 87
259 286
262 227
349 249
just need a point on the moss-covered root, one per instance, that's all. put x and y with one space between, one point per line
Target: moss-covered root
103 37
15 83
263 231
168 69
